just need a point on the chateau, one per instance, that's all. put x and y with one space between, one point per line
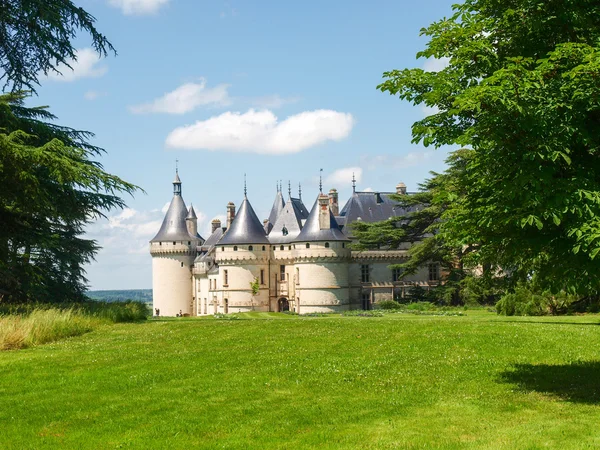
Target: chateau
296 260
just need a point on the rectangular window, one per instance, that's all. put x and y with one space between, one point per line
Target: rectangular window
262 276
396 274
225 278
282 273
297 275
364 273
434 272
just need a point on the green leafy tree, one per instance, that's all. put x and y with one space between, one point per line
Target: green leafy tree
52 184
522 90
420 227
36 36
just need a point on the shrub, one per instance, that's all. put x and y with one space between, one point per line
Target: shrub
526 301
388 304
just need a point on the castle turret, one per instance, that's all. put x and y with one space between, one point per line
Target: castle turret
243 258
173 250
191 222
321 256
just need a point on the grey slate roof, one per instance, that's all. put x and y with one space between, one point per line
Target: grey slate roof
173 227
191 213
369 207
291 218
303 210
312 231
278 205
245 228
212 239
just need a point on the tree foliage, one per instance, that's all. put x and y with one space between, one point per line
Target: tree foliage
420 226
52 184
51 188
522 90
36 37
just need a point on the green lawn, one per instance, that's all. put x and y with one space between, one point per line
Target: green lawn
399 381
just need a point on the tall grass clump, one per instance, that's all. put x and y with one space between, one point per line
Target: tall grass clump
26 325
42 326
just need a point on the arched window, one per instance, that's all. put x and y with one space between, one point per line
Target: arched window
281 248
326 244
222 249
250 248
235 248
307 245
289 247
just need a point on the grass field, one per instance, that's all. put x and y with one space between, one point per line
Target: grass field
399 381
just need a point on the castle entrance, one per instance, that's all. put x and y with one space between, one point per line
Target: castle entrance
284 305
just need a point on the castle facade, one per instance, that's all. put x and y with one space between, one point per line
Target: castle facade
296 260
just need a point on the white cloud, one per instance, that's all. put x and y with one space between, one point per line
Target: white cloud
369 189
186 98
138 7
260 132
124 260
344 176
85 65
436 64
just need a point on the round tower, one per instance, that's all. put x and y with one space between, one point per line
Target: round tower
242 255
321 257
173 250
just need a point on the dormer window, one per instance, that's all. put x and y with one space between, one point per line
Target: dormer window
284 231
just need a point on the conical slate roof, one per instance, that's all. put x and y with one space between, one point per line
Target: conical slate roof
191 213
278 205
173 227
312 230
245 228
288 224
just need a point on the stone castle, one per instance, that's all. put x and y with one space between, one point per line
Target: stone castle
296 260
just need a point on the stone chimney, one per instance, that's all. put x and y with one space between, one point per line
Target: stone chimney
230 213
216 223
401 188
324 223
333 202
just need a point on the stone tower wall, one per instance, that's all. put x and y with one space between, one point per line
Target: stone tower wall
172 287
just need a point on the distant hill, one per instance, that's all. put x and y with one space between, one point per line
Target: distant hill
141 295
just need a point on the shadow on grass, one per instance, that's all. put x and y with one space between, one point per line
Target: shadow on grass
577 382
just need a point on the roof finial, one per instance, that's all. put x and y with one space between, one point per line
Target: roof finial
321 181
300 191
353 183
245 190
289 189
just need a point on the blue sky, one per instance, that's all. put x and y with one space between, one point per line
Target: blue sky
273 89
